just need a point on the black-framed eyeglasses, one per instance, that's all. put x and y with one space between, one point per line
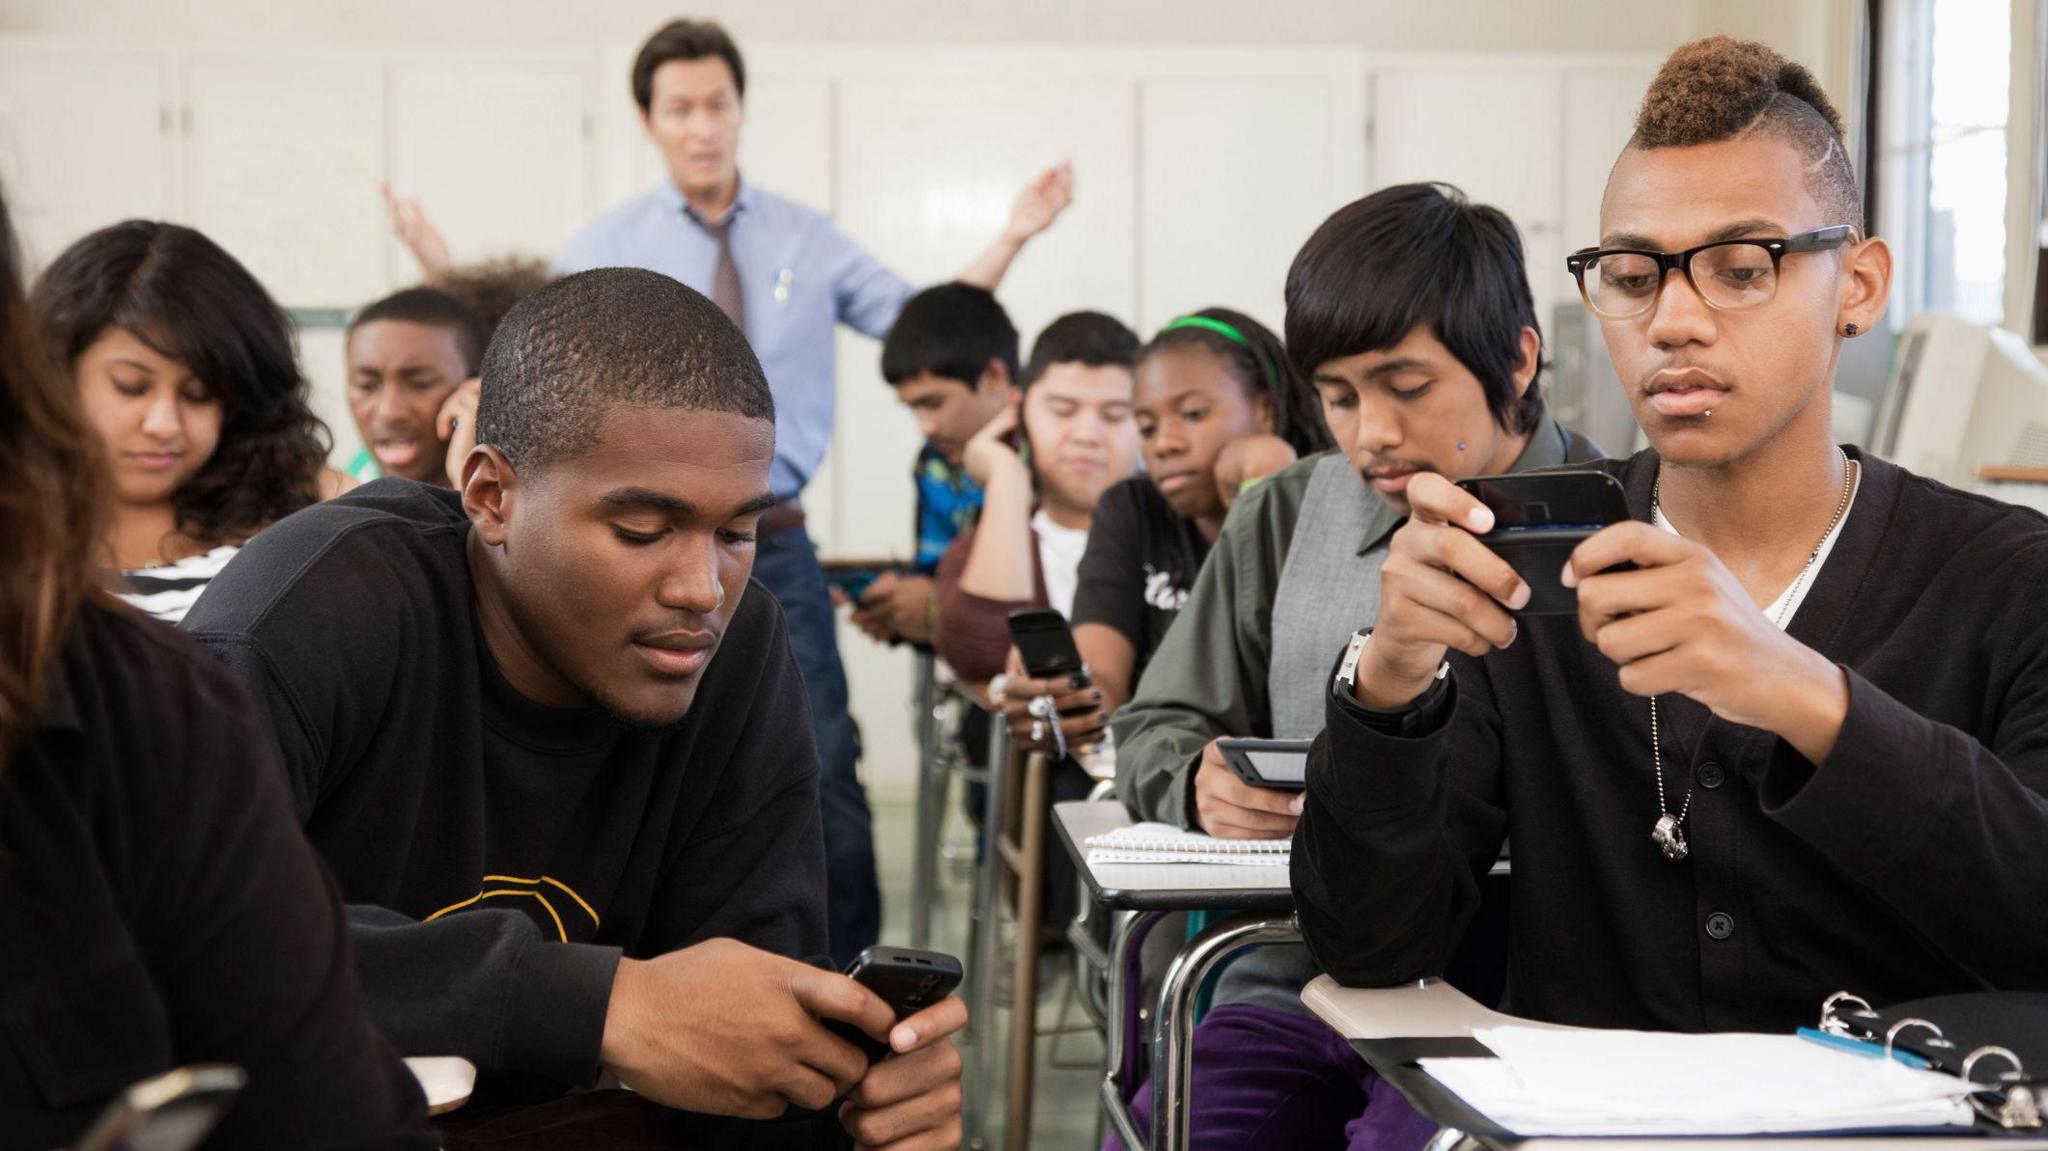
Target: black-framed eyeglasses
1728 274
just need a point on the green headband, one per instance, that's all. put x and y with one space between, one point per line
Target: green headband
1228 332
1205 323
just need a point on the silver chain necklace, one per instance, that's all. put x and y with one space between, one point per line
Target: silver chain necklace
1669 833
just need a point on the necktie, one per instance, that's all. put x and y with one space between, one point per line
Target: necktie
725 282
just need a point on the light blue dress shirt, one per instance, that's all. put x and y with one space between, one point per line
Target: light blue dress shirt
800 276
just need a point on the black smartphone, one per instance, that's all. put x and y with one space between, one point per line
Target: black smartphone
907 979
1539 518
171 1112
1276 764
1046 643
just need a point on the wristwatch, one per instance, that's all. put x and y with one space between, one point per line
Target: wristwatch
1347 671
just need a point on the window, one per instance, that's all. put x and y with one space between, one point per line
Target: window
1945 91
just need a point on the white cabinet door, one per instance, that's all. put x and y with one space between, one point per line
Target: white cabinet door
284 156
930 167
495 151
1237 172
1496 131
82 142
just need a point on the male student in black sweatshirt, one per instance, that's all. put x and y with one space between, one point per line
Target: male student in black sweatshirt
552 743
1845 665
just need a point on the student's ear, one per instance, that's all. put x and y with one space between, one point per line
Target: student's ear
995 379
1529 359
489 489
1264 404
1866 285
646 122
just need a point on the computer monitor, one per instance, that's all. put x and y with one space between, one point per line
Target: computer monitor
1963 397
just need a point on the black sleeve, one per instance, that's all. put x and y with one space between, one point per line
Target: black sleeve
249 944
754 868
1401 820
1111 588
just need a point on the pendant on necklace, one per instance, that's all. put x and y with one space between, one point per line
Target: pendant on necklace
1670 837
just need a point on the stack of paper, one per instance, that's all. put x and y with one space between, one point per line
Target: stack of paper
1548 1082
1165 843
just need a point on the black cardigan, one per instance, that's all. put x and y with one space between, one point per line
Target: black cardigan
1913 862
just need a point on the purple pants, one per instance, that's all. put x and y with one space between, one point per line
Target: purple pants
1264 1078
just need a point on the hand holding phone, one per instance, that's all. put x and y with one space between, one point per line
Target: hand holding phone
907 979
1538 519
1440 588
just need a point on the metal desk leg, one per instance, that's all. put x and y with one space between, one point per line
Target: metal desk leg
931 804
1126 937
1174 1025
1033 814
983 1098
1452 1139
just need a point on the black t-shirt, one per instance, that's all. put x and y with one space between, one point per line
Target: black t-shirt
499 855
1142 558
159 907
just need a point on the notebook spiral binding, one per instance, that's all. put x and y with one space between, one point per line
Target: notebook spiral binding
2012 1102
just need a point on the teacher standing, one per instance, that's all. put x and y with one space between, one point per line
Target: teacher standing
787 276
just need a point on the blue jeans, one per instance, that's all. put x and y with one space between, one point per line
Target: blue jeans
787 565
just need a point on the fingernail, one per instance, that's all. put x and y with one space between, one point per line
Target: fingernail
1480 519
1294 805
903 1038
1520 598
1568 577
1514 633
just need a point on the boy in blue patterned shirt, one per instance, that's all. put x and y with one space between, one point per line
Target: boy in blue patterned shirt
952 358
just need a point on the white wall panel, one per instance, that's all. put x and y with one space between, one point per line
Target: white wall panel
283 161
82 142
1237 172
495 150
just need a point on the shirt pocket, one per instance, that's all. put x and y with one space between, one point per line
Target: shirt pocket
90 1032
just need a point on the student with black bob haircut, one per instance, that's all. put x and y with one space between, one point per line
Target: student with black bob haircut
157 905
184 366
1458 271
1795 737
626 864
1377 301
952 360
408 356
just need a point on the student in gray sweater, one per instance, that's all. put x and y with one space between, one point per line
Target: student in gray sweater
1410 312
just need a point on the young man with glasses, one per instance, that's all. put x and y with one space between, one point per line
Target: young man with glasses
1802 745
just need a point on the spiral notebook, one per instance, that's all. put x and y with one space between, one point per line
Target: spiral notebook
1165 843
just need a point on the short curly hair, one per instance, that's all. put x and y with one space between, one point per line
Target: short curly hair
186 298
609 336
1721 88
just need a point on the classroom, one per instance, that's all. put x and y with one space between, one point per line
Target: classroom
1085 574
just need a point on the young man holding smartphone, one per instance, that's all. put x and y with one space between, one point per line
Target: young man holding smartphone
1409 312
1804 745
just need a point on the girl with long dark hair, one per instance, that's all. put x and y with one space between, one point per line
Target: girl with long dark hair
184 366
158 904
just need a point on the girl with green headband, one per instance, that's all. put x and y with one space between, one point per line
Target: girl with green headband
1219 404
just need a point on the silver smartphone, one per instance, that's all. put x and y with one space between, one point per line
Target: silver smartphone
171 1112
